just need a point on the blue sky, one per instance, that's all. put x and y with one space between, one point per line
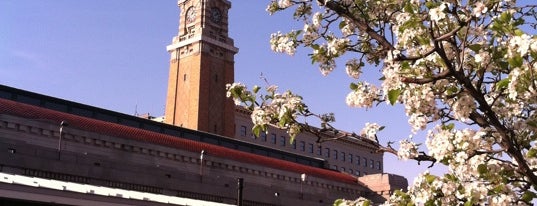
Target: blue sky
112 54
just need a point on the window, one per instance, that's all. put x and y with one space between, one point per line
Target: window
273 138
350 158
335 154
334 167
342 169
320 150
302 146
294 144
357 160
310 148
327 152
351 172
357 173
378 165
372 163
343 155
243 131
365 162
282 141
263 136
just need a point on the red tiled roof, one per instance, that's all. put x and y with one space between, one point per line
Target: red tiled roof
117 130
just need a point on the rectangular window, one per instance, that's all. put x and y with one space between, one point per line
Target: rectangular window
351 172
320 150
350 158
357 173
372 163
263 136
310 148
327 152
273 138
379 167
342 169
343 155
334 167
294 144
357 160
365 162
243 131
302 146
335 154
282 141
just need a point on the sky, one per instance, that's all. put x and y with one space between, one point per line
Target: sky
112 54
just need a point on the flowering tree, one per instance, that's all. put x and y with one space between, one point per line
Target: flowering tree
464 70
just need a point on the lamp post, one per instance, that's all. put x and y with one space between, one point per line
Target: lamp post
201 164
62 124
240 185
303 179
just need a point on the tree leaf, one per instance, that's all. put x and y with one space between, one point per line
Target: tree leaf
528 196
256 130
353 86
475 47
393 95
516 61
256 89
338 202
482 169
502 84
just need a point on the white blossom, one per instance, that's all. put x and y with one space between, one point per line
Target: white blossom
353 68
364 96
407 150
438 13
370 130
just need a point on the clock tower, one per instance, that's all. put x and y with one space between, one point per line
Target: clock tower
201 64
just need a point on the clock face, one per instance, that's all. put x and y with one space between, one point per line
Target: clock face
216 15
190 14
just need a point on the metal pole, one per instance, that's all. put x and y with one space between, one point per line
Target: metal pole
240 184
62 124
201 164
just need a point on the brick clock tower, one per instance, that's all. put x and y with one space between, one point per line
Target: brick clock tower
201 64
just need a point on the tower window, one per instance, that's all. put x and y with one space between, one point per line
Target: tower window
263 136
243 130
310 148
335 154
378 165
